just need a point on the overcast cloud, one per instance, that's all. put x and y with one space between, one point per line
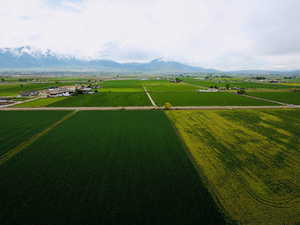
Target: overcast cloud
221 34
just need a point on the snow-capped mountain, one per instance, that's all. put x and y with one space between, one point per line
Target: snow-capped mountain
28 58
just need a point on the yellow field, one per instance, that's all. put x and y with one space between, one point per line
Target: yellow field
250 161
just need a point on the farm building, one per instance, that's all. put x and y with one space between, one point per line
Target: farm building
87 90
60 92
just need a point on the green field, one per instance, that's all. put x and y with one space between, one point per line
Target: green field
105 99
292 84
17 127
237 84
42 102
119 167
250 160
204 99
170 87
137 86
120 90
122 84
284 97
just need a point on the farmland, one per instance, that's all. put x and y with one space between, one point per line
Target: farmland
15 89
166 86
42 102
180 94
151 85
285 97
237 83
204 99
105 99
114 167
118 93
17 127
120 90
249 159
151 167
122 84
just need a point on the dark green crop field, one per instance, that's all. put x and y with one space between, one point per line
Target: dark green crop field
105 99
120 167
204 99
285 97
16 127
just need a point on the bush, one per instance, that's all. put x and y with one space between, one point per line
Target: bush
241 92
167 106
78 92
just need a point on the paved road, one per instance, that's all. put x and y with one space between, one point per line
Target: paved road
151 108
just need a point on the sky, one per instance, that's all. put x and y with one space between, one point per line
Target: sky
220 34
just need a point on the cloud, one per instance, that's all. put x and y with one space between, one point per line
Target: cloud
222 34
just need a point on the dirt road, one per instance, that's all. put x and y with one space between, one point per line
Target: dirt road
20 102
149 96
266 100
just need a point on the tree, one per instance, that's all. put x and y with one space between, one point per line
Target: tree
227 86
177 80
167 106
78 92
259 78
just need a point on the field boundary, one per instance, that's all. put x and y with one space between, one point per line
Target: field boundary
149 96
14 151
150 108
203 179
264 99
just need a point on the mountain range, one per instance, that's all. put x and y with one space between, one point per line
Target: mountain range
28 58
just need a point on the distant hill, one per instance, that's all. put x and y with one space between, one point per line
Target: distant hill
29 58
